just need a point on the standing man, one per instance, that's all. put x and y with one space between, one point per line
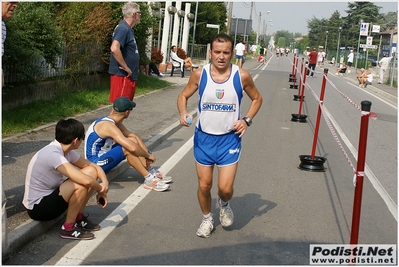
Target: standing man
383 64
220 127
59 180
7 9
108 142
312 60
349 62
240 53
124 63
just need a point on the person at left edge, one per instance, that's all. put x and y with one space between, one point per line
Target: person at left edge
124 63
7 9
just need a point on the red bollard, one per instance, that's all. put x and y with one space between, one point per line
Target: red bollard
294 66
312 162
296 97
361 160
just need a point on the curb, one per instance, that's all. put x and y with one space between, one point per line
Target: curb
31 229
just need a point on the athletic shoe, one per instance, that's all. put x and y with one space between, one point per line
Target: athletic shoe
155 184
165 178
206 228
76 233
161 75
86 224
226 215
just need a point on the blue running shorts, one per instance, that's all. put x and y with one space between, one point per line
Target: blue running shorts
222 150
112 158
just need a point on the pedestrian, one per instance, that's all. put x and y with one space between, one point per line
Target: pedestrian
124 62
341 70
218 134
147 67
59 180
349 61
7 9
360 76
365 79
383 64
312 61
253 50
320 58
108 142
240 53
179 62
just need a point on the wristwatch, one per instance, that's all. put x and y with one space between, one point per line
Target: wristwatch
248 121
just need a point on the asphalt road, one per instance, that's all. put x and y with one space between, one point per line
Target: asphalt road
279 209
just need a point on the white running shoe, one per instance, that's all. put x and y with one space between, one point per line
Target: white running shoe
164 178
206 228
155 184
226 215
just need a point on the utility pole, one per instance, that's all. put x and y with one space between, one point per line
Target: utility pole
229 17
250 12
257 33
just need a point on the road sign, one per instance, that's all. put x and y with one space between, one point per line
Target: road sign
368 46
212 26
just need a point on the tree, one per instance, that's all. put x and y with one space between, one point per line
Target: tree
32 33
209 13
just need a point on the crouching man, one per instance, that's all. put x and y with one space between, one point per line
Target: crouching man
59 180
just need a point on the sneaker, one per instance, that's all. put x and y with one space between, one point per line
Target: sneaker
226 215
161 75
166 179
86 224
337 73
205 229
76 233
155 184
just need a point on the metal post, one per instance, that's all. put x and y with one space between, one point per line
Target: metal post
195 25
361 161
339 40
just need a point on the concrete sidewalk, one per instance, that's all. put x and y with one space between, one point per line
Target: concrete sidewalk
149 120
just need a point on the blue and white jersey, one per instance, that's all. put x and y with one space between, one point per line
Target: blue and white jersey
95 146
219 104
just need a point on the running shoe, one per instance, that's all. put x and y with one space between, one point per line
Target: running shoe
166 179
155 184
88 225
76 233
206 228
226 215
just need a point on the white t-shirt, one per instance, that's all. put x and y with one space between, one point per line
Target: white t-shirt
240 47
350 57
384 62
370 78
42 177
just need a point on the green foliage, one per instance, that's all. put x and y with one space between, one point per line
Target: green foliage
32 32
209 13
281 42
66 105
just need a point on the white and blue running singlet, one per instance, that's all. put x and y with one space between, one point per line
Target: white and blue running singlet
215 141
219 104
102 151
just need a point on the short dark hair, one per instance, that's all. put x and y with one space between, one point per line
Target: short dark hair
173 46
67 130
222 38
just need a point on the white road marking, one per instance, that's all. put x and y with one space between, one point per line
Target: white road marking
392 207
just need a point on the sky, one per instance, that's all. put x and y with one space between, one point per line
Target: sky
293 16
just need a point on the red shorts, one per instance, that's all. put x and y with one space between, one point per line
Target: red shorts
121 86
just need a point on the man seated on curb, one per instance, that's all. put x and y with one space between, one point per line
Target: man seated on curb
365 78
341 69
109 142
59 180
179 62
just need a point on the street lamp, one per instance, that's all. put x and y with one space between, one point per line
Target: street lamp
172 10
161 11
259 20
339 39
325 45
181 15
